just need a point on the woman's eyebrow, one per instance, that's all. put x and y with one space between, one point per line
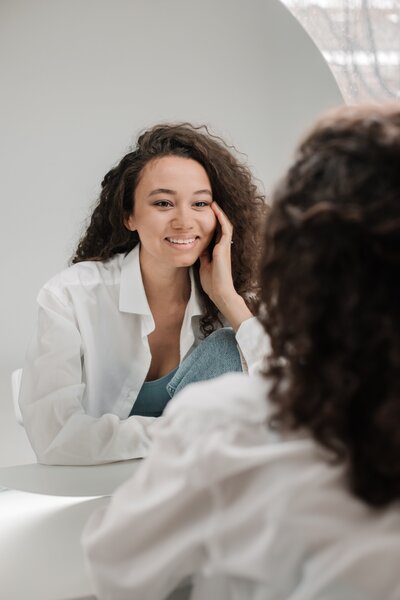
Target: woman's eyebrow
162 191
204 192
173 193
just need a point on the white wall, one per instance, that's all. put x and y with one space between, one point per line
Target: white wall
80 78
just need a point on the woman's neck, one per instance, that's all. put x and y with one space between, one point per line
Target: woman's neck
167 286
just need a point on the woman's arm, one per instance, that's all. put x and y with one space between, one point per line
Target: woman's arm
216 280
184 512
151 537
51 398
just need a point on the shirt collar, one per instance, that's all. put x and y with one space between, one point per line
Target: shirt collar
132 297
194 305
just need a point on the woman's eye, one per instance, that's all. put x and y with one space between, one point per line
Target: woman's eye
202 204
162 203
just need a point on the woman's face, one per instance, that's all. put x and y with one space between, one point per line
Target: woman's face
172 211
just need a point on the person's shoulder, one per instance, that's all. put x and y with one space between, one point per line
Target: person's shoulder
86 273
233 397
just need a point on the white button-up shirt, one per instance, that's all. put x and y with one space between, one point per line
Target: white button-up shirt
250 515
90 356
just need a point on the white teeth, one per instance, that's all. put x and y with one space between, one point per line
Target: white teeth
175 241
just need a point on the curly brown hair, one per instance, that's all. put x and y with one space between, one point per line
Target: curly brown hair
233 188
331 296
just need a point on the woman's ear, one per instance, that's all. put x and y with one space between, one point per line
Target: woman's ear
129 222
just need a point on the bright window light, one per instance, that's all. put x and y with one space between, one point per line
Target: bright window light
360 40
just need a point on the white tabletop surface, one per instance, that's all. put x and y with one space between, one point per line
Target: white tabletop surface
43 510
41 556
40 552
97 480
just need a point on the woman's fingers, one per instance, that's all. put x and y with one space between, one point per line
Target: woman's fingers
225 224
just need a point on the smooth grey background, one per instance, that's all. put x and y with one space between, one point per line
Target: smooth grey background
80 79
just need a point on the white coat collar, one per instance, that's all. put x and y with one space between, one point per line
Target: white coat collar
132 296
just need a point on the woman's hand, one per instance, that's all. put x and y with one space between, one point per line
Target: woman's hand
216 274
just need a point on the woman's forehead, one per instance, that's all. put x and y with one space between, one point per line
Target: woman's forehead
171 171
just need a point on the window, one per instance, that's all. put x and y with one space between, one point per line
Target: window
360 40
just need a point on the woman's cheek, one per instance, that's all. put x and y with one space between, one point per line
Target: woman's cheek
212 222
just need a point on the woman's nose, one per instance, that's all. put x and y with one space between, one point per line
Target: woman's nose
182 219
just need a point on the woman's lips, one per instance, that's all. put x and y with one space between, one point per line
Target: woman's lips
182 243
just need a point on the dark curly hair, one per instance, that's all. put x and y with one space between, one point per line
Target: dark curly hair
331 296
233 188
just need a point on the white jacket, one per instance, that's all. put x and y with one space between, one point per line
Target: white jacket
248 514
89 358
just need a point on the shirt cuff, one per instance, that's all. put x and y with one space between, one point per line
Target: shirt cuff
254 344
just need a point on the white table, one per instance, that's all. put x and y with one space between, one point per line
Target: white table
40 552
42 516
43 510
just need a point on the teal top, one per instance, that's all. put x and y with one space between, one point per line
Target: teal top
153 397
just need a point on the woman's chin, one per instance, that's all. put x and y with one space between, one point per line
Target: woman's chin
185 261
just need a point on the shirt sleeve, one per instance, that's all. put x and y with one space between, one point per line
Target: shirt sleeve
165 523
254 345
150 538
51 398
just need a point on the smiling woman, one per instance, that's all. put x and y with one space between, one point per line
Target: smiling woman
157 297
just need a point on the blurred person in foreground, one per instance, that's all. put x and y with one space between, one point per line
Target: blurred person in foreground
287 485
